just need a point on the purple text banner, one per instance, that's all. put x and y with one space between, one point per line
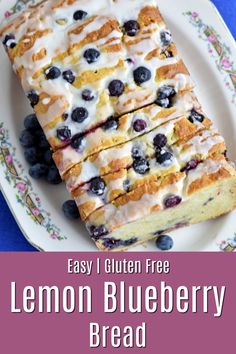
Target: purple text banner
113 303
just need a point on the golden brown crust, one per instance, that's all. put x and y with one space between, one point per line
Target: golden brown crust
170 71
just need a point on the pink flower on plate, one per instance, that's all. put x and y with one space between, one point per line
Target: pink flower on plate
21 187
212 38
54 236
226 63
7 14
36 211
9 159
194 14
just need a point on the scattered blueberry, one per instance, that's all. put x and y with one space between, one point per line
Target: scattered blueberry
166 38
98 232
70 210
38 171
142 75
91 55
131 28
196 117
164 243
79 114
80 15
42 142
172 201
168 53
111 124
137 152
9 41
139 125
116 88
141 166
52 73
191 165
165 95
130 61
32 155
87 95
31 123
97 186
164 157
160 141
47 157
69 76
64 134
112 243
33 98
53 176
77 142
27 139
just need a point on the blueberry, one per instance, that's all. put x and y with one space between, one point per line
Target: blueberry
112 243
191 165
116 88
111 124
172 201
160 140
98 232
142 75
164 243
126 185
141 166
70 210
31 123
38 171
27 139
47 157
9 41
42 142
165 95
91 55
69 76
64 134
53 176
163 102
131 28
164 157
80 15
52 73
65 116
32 155
137 152
139 125
87 95
97 186
196 117
79 114
33 98
78 142
166 38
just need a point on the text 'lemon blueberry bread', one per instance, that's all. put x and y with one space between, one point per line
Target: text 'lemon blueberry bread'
81 62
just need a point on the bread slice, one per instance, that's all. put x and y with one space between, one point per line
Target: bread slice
122 156
117 131
80 62
177 200
183 156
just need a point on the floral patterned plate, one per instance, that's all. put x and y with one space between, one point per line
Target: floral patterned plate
210 53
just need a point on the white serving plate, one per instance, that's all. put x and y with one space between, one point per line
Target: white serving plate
210 53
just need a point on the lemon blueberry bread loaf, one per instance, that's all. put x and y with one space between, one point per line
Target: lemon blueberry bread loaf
116 102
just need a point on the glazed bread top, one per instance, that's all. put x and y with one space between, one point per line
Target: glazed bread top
81 62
